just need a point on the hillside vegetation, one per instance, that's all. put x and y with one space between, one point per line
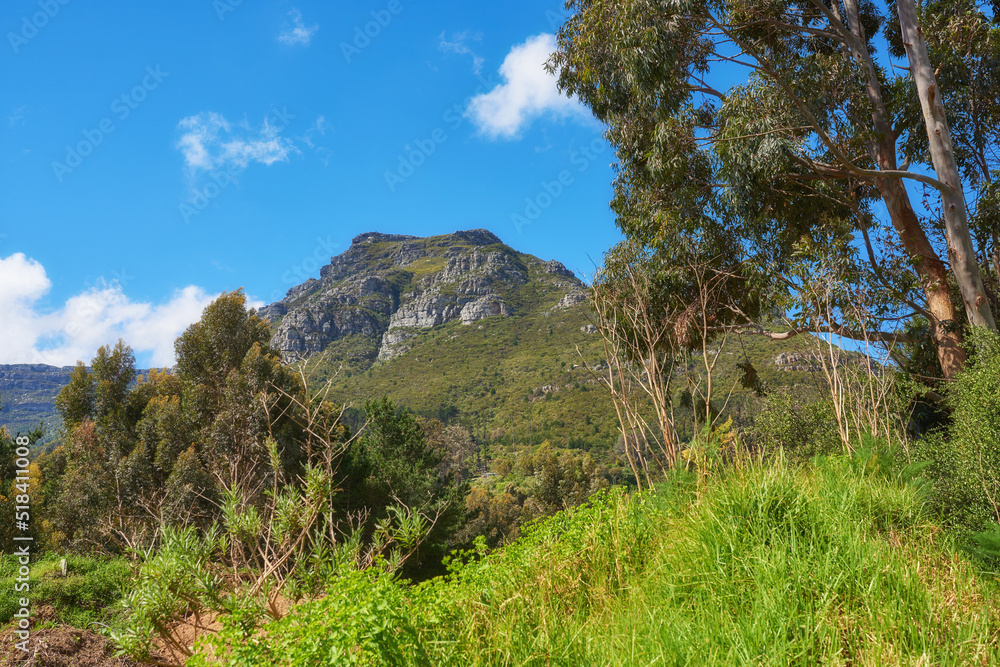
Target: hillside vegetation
281 536
837 562
229 513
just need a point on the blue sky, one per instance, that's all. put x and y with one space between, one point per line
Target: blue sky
155 155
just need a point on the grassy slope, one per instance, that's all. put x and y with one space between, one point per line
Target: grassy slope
90 592
831 564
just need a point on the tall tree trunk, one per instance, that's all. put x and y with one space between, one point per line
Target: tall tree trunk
932 271
961 252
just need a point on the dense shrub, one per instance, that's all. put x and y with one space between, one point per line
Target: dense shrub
801 430
966 456
364 620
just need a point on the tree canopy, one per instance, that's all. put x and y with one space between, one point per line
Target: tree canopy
145 448
846 141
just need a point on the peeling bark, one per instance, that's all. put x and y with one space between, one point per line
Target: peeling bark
932 271
961 252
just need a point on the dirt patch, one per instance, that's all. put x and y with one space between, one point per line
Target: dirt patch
186 632
64 646
61 647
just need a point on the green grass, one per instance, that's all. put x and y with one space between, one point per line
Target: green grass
832 563
89 592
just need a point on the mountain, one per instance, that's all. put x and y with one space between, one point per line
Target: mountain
458 326
388 288
466 329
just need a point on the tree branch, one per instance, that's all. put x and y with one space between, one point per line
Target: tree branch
835 329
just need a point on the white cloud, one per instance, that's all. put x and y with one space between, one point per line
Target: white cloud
528 92
458 44
321 125
98 316
298 34
318 129
208 141
201 132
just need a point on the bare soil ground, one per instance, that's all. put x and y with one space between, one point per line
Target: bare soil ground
66 646
61 647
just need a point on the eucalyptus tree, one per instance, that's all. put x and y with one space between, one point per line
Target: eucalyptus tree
783 127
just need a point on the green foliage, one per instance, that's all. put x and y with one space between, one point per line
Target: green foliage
181 577
392 464
681 279
800 429
293 547
76 401
8 448
188 490
89 593
832 563
528 486
365 619
966 456
478 376
770 161
985 545
138 450
218 344
489 380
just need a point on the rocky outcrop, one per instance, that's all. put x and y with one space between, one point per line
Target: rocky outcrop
308 319
557 268
572 299
378 237
394 343
797 361
426 312
389 287
486 306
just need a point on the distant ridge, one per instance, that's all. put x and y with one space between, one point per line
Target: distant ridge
28 393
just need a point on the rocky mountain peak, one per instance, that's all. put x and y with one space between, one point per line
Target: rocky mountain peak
477 237
386 288
378 237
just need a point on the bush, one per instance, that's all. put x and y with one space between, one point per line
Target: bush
828 563
966 456
801 430
363 620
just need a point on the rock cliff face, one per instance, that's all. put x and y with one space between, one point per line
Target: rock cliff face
386 288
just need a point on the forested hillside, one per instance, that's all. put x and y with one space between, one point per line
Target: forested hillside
27 397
